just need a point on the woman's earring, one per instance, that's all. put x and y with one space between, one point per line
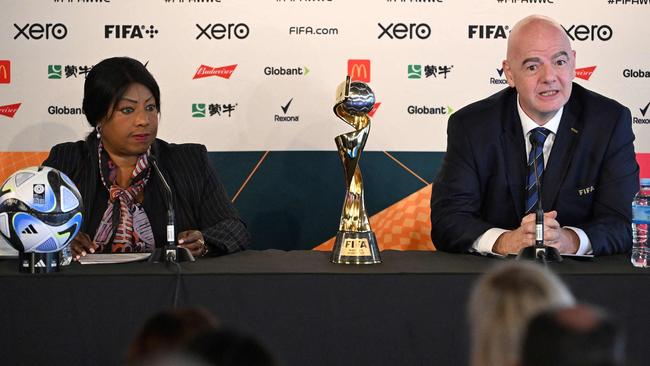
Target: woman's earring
99 132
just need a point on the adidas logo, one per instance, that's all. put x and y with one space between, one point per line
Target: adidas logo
40 264
29 230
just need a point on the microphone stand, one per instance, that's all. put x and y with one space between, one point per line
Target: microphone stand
170 253
539 252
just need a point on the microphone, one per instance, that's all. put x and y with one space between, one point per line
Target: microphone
170 252
539 251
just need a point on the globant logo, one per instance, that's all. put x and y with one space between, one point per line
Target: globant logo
223 31
627 73
402 30
285 117
414 71
130 31
582 32
286 71
501 80
585 72
205 71
41 31
643 111
56 110
488 31
58 71
5 71
202 110
359 70
9 110
419 110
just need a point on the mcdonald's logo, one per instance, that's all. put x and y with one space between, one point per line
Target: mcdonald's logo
359 70
5 71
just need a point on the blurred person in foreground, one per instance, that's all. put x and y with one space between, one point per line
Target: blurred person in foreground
228 347
485 195
125 202
167 332
501 304
575 336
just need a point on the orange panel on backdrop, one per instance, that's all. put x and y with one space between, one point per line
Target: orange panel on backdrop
15 160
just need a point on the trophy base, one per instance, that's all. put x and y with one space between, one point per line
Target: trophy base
39 262
353 247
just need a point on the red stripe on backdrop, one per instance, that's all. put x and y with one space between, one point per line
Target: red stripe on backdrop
644 164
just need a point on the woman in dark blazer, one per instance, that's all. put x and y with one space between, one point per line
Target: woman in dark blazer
125 201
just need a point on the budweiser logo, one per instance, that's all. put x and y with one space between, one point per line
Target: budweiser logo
9 110
222 72
585 72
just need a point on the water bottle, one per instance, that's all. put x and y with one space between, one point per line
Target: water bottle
640 222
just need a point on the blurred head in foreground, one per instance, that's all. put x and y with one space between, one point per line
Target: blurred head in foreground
501 304
575 336
168 331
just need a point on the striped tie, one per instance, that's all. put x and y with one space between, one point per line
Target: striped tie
537 138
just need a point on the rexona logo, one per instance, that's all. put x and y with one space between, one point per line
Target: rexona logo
223 31
284 117
58 71
414 71
402 31
9 110
65 110
41 31
202 110
501 80
488 31
585 73
205 71
129 31
5 71
414 109
286 71
644 111
627 73
359 70
582 32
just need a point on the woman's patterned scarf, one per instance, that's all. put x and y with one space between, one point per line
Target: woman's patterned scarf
125 223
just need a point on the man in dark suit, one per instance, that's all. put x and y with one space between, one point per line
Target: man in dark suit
485 195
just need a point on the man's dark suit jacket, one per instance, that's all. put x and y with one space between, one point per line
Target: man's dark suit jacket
590 179
200 201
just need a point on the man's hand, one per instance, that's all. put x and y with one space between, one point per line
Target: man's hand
565 240
82 245
193 241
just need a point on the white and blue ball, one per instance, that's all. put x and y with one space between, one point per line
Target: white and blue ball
40 210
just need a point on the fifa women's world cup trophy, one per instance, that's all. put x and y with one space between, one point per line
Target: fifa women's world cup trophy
355 242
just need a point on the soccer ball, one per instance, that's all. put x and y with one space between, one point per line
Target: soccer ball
40 210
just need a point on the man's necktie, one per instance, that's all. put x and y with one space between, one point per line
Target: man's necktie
537 138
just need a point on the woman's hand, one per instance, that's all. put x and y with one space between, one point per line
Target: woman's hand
194 242
82 245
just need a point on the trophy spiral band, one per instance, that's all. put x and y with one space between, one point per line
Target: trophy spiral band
355 242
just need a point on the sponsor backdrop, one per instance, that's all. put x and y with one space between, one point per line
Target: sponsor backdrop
254 81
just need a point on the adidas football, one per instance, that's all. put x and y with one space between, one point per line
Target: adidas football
40 210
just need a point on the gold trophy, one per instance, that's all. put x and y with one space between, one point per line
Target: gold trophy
355 242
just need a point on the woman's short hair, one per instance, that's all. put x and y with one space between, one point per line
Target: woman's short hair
501 304
107 82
